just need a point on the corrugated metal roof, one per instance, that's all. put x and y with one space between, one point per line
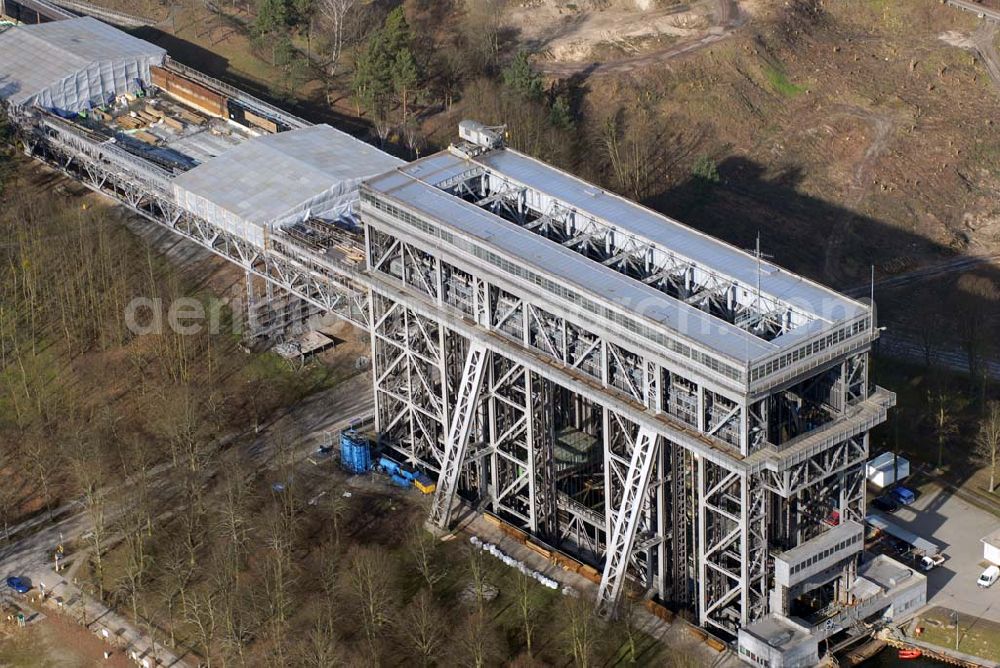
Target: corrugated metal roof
36 57
919 543
683 240
562 263
830 538
264 179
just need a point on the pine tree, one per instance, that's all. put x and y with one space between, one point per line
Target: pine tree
521 77
405 77
560 115
272 16
373 83
396 32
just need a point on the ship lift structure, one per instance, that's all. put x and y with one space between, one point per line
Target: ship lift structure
675 411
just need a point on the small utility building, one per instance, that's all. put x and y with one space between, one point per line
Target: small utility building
72 65
991 547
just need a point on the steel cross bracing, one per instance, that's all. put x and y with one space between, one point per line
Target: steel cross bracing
703 287
466 404
141 187
626 520
704 537
700 530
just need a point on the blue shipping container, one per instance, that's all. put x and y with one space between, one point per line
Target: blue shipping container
355 452
388 466
400 480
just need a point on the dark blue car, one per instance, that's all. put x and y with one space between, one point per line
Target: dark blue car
20 585
903 496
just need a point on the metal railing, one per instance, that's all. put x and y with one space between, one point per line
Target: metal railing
107 15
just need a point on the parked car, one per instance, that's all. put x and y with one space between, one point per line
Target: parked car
903 496
886 504
20 585
988 577
928 562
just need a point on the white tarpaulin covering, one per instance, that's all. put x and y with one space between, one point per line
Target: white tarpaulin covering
71 65
278 180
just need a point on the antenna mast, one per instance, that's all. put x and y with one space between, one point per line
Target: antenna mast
757 253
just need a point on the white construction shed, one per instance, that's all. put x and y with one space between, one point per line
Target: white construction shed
72 65
991 547
278 180
886 469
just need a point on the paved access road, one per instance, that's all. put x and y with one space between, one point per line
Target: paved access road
956 527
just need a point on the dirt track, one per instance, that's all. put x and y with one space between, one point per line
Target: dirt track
984 39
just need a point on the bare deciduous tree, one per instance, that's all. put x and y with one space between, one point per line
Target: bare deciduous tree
423 627
526 607
87 465
479 640
973 293
200 612
423 547
477 571
174 576
945 426
320 648
988 440
336 15
483 27
368 577
580 631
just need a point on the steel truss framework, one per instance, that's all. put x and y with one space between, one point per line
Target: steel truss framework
472 375
144 188
742 305
698 527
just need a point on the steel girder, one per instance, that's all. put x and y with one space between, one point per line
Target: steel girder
409 369
681 507
854 377
626 520
842 456
722 546
521 439
741 304
138 185
463 417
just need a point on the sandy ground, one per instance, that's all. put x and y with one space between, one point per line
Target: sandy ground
55 643
570 32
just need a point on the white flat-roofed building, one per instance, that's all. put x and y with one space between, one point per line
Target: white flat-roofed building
991 547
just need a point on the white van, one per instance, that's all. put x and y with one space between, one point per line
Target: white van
989 576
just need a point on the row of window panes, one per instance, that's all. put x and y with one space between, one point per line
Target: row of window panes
760 661
826 553
562 291
810 348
